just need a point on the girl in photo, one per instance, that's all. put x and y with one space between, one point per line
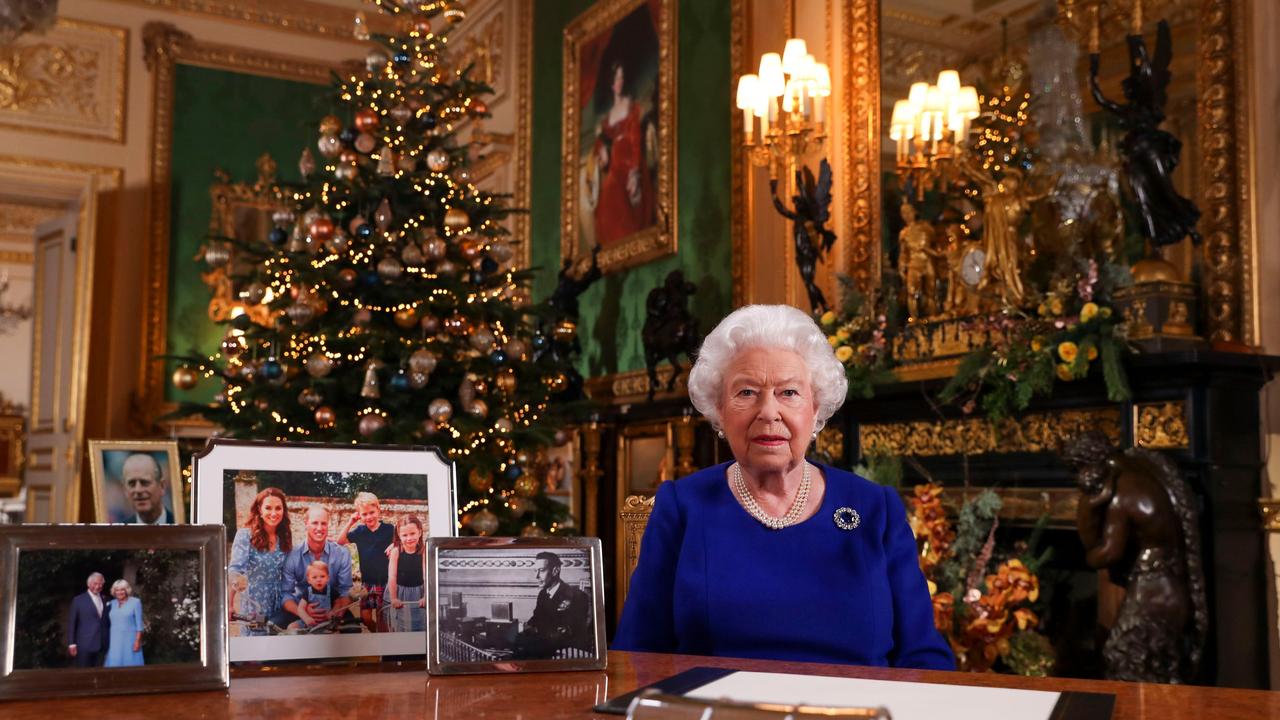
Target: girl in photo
406 592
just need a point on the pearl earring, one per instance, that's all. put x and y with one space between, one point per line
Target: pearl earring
720 434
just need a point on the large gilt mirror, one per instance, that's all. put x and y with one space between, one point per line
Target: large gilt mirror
1029 64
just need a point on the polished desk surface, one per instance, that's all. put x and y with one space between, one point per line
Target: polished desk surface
383 692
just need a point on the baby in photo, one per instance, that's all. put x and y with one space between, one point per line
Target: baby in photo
315 601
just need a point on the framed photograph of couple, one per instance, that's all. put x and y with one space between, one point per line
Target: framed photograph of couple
326 544
137 482
515 605
100 610
618 166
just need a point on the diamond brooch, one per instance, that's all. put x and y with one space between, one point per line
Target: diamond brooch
847 518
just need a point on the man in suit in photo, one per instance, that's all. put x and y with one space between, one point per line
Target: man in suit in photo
145 486
561 617
90 625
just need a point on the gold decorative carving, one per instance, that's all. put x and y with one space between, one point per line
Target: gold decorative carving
684 435
1020 505
861 120
1035 432
24 217
241 211
302 16
739 210
482 45
633 385
17 257
633 517
659 240
1161 425
109 178
164 46
830 442
1270 509
68 82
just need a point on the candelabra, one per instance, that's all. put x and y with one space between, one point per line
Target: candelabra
930 126
788 95
10 315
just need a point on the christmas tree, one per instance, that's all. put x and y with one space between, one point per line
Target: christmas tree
383 306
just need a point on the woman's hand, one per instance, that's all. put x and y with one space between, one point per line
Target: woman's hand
422 602
397 603
137 644
633 187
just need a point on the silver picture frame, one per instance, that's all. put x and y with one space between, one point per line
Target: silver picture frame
209 672
218 470
506 574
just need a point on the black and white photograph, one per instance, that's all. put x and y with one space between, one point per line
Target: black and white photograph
136 482
111 599
326 558
516 604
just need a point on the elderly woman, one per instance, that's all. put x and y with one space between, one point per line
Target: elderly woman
125 646
771 556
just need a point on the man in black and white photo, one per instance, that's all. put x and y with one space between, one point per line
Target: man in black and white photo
89 626
145 486
561 618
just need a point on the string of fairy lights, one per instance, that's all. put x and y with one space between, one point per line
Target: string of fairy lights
391 266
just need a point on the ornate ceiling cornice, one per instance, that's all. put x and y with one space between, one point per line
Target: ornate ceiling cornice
302 16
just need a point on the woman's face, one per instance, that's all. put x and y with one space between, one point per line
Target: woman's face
767 409
272 511
409 536
120 593
618 80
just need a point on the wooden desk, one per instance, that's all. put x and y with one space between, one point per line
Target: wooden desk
383 694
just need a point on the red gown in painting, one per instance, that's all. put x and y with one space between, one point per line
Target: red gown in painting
619 213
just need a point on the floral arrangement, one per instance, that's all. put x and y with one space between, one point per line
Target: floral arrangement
988 618
858 333
1072 330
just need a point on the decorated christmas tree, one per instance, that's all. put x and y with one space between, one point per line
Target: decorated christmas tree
383 305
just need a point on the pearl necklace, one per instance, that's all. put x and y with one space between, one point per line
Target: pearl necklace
752 507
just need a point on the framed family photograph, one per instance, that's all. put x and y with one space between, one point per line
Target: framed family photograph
101 610
515 605
618 170
136 481
326 544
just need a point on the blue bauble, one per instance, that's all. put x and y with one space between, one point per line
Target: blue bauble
272 370
401 58
370 278
348 136
365 231
498 357
539 341
428 121
277 236
477 277
513 471
399 382
488 265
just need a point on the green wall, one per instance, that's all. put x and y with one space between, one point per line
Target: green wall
613 309
225 120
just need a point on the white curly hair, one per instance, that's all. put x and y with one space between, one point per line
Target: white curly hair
774 326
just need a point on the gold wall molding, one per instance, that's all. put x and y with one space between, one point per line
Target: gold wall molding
1035 432
23 218
861 129
523 77
739 205
1270 509
301 16
1161 426
633 517
1019 505
69 82
165 47
17 257
632 386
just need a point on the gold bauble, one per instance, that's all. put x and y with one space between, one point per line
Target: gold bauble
506 381
406 318
330 125
527 486
532 530
318 364
480 480
456 219
185 377
325 416
564 331
519 506
470 248
556 382
483 523
478 408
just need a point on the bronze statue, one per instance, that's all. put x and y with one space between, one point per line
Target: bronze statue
1150 154
915 263
809 231
1137 519
575 278
669 328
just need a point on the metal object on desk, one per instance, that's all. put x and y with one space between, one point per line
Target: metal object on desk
654 705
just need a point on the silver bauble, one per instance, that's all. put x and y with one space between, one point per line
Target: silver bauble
478 408
501 251
440 410
412 255
438 160
466 393
390 268
371 423
447 268
504 425
345 172
375 61
365 143
422 361
318 364
255 292
482 338
515 348
217 254
401 113
483 523
418 380
300 313
434 247
362 317
338 243
282 216
329 146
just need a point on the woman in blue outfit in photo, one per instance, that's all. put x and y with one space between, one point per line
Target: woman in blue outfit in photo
256 569
772 556
124 648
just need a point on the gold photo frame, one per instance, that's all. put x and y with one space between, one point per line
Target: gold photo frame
113 499
618 166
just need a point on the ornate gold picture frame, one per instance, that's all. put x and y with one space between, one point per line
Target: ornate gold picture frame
618 165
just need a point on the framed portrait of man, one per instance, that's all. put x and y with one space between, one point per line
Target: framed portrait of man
618 171
136 482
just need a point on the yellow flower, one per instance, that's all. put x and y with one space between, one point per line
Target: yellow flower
1064 372
1036 345
1068 351
833 340
1104 312
1043 309
933 588
843 333
828 317
1092 353
843 353
1056 306
1088 312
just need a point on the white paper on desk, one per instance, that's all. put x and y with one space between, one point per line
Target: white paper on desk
904 700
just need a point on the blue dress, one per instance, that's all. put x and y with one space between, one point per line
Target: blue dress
126 623
265 572
712 580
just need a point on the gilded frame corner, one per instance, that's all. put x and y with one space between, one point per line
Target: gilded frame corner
164 48
660 240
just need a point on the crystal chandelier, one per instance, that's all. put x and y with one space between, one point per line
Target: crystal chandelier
931 125
788 95
18 17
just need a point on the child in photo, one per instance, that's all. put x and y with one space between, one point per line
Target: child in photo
405 588
316 600
372 538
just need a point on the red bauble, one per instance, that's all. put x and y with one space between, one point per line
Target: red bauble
346 278
479 107
366 120
321 229
325 416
